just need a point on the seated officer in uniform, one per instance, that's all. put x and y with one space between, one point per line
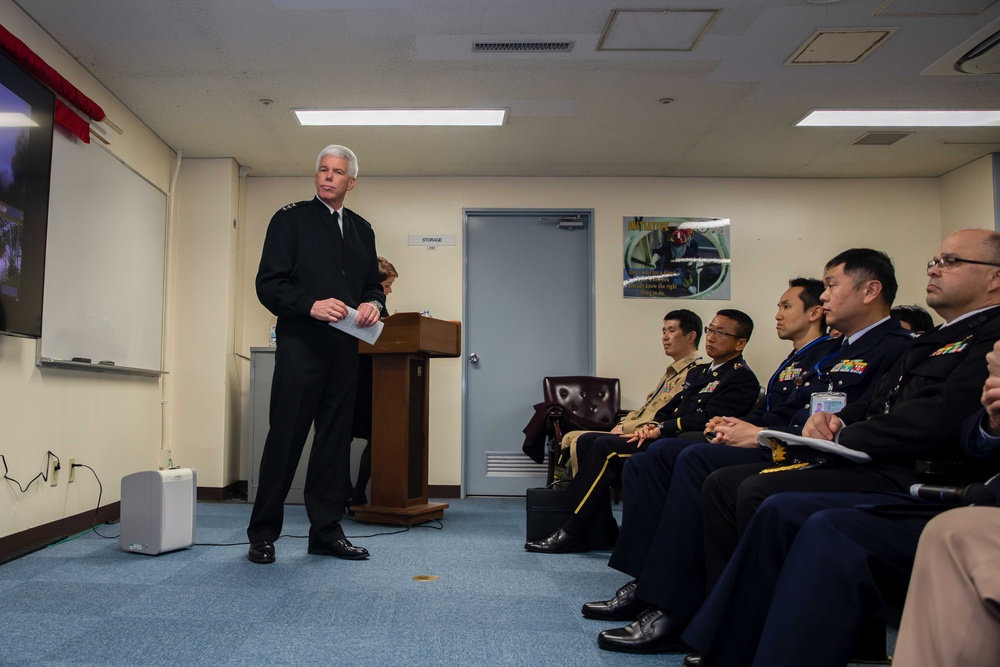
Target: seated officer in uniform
681 336
915 412
914 318
667 536
763 610
721 387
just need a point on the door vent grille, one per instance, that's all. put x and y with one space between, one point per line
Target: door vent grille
522 47
514 464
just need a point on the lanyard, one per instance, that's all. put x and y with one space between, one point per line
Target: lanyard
791 359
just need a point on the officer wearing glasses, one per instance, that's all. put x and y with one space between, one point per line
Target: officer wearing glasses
724 386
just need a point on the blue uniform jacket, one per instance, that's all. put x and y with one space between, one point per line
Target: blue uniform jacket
852 369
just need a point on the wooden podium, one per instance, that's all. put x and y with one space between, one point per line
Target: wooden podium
400 383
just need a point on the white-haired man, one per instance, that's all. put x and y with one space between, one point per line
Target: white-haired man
318 260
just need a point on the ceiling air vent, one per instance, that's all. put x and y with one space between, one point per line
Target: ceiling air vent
522 47
881 138
983 59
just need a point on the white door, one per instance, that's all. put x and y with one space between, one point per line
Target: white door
528 314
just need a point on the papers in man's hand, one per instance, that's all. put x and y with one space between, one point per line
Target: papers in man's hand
770 439
349 325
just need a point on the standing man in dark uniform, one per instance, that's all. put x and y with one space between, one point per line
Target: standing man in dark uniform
318 261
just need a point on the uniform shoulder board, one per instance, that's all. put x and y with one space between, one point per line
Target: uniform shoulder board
357 218
289 207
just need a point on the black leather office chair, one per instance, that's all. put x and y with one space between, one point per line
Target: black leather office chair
583 402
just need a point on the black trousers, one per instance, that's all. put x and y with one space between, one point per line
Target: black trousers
600 458
315 381
731 496
807 572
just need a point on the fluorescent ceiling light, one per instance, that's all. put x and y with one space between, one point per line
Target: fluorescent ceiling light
14 119
917 118
401 116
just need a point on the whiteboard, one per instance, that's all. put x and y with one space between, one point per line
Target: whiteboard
104 261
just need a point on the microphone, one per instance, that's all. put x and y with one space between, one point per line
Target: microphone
973 494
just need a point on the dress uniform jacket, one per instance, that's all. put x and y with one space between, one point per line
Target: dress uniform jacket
669 386
783 396
918 406
730 389
848 368
305 259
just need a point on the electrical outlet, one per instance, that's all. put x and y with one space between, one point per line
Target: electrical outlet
72 471
53 471
166 459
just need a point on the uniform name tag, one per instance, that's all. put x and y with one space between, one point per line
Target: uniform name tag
709 388
850 366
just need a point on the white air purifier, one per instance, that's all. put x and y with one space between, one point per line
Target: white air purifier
158 510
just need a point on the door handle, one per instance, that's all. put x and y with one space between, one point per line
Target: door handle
473 358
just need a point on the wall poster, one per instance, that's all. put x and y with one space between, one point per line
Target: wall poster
681 258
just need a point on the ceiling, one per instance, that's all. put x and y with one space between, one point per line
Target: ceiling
220 78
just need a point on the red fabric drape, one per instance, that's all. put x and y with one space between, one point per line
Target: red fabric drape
41 70
72 121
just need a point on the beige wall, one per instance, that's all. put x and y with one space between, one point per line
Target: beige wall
781 229
111 423
967 197
202 389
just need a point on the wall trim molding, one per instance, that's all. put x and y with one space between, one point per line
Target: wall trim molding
31 540
444 491
215 494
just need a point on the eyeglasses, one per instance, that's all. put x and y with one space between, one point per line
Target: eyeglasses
948 262
709 331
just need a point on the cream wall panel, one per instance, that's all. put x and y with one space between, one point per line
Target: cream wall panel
201 405
967 198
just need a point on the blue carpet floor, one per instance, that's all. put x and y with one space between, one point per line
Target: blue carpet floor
86 602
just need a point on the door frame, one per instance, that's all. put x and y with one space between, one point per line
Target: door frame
591 301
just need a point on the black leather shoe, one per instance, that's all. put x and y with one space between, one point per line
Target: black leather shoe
693 660
653 632
559 542
261 552
624 606
340 549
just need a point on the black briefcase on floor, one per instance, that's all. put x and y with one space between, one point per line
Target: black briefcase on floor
547 511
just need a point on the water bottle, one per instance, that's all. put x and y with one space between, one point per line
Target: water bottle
272 339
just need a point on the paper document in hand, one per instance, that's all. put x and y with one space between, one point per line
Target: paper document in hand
771 439
349 325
